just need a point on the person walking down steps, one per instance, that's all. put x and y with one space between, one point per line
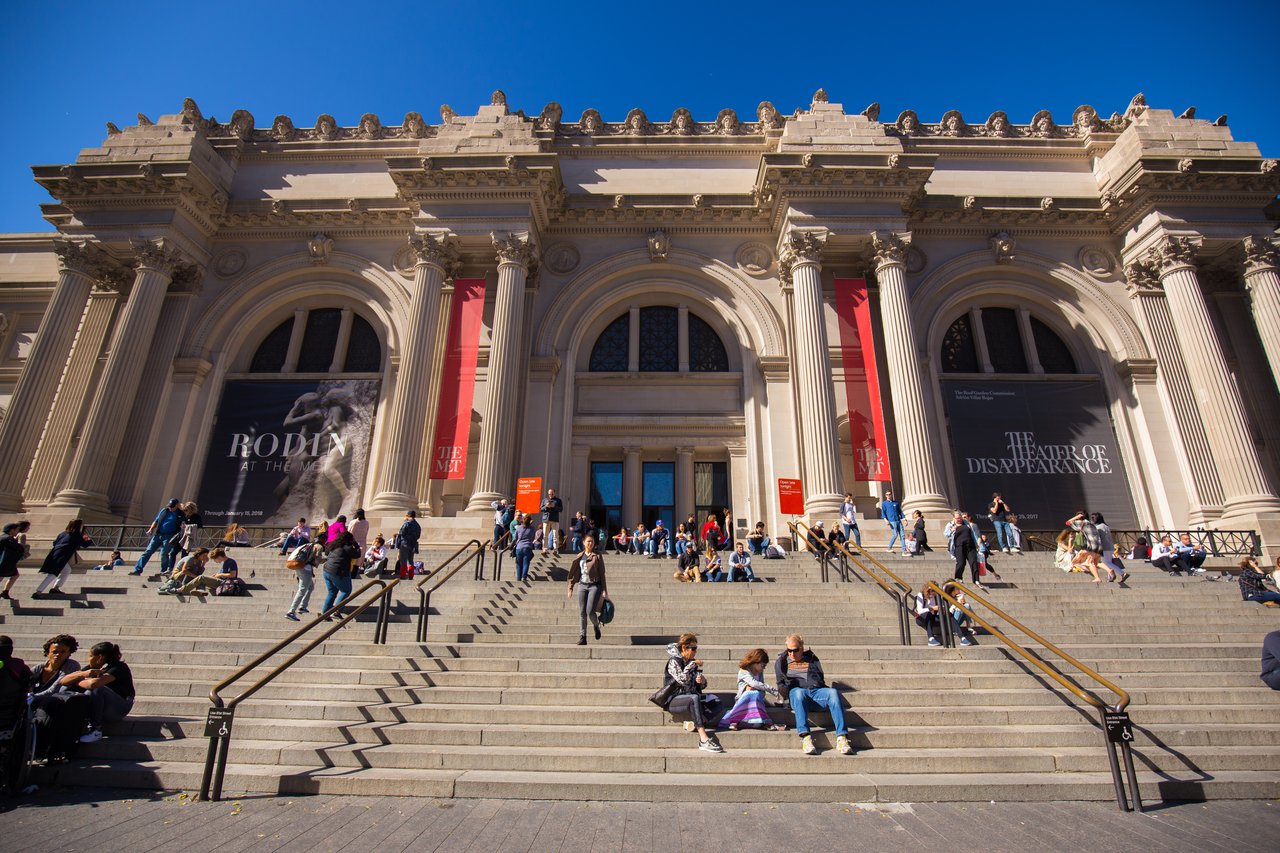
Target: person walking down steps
586 572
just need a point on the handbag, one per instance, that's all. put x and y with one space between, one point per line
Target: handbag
662 696
606 611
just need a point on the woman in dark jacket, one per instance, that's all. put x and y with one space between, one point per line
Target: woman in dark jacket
919 532
57 565
586 572
337 570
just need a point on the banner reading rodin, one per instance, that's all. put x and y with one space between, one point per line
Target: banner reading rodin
281 451
1047 447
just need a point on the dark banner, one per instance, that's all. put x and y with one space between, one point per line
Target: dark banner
281 451
1047 447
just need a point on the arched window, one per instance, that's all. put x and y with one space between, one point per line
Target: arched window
1007 348
657 333
319 348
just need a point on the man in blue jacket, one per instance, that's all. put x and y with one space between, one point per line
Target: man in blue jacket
801 681
891 512
166 526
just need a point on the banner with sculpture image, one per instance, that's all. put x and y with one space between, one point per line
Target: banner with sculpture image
284 450
862 381
1047 447
458 381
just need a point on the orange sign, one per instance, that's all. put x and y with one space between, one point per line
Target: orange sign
528 491
790 497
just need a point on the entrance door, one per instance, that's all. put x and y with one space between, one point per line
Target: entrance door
711 493
605 506
659 494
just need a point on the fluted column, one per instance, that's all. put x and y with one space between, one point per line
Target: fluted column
403 432
1203 485
632 486
81 266
1244 488
801 259
918 457
684 484
493 460
1262 281
90 474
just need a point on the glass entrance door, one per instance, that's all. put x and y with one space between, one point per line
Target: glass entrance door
605 506
711 493
659 494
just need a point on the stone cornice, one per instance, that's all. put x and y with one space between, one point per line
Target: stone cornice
1153 182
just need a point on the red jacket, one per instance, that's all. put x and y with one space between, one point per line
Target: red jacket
711 533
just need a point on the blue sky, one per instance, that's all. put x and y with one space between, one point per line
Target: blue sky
68 68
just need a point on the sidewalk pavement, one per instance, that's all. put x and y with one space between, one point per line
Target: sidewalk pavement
75 819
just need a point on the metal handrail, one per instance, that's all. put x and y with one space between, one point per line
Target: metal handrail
1216 543
499 551
1086 696
898 590
823 551
215 765
424 595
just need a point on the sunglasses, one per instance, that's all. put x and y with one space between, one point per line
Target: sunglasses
795 651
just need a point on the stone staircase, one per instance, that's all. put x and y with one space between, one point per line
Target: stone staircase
501 702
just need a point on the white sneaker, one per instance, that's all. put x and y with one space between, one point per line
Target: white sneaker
1004 550
91 736
1017 550
842 746
806 745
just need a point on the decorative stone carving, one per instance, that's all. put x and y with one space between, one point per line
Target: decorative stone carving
998 125
320 247
112 130
820 96
241 125
618 201
436 249
353 205
637 124
326 127
768 116
447 115
562 258
727 123
513 249
143 121
699 200
1220 121
1186 165
894 161
1141 279
403 261
191 114
80 256
1259 254
872 112
1269 167
282 129
953 124
1084 120
908 123
916 260
498 98
414 126
1137 106
549 118
229 261
682 123
1188 113
888 248
1097 261
147 170
155 255
754 258
591 124
659 245
802 247
370 127
1172 253
278 207
807 160
1042 126
1003 247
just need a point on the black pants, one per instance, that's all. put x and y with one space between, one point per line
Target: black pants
966 554
929 622
1174 563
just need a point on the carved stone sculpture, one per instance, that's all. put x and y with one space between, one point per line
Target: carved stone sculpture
143 121
1136 107
591 124
326 127
998 125
1085 120
1002 247
872 112
727 123
319 248
637 124
414 126
242 125
1042 126
908 123
498 98
370 127
682 123
112 130
447 115
820 96
282 129
768 116
953 124
549 118
191 114
659 245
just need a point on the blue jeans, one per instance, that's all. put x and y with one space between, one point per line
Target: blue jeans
1003 538
524 556
757 546
291 542
339 587
1265 596
655 547
577 544
157 543
816 700
895 527
715 577
745 569
857 534
681 544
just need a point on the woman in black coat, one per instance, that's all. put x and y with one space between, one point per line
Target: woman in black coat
57 565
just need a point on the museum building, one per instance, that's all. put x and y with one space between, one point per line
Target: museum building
653 317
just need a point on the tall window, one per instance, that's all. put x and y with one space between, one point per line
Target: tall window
1006 346
657 332
318 349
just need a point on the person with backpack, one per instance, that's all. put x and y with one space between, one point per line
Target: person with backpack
684 668
406 541
502 518
303 559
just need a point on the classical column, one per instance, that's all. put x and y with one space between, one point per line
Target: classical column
501 423
104 432
403 433
343 343
1244 488
80 266
801 259
684 484
632 486
918 458
1201 475
1262 281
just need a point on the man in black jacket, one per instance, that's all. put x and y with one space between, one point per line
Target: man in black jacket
800 679
406 540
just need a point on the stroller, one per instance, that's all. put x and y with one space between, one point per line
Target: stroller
17 724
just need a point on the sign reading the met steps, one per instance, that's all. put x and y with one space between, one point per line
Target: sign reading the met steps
281 451
1048 447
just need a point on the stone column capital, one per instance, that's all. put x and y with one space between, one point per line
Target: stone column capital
800 248
1259 255
158 256
1172 254
434 248
1141 280
92 261
514 249
889 249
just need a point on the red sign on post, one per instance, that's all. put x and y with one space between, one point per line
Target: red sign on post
528 491
790 497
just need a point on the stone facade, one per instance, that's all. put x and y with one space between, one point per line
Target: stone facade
1144 243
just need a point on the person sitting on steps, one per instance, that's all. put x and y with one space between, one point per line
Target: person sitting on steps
685 669
1253 584
800 679
749 710
927 615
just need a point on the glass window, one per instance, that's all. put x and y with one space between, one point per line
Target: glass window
659 340
319 341
273 350
605 506
364 352
706 351
1004 340
658 494
610 354
1054 355
959 354
711 493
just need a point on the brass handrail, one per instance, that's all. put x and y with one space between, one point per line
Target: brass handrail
822 550
1087 696
215 766
499 551
899 591
424 595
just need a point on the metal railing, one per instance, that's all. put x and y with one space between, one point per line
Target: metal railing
477 550
897 589
817 546
134 537
221 715
1216 543
1113 718
500 549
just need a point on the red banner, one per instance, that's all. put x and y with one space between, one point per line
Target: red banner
861 381
458 381
790 497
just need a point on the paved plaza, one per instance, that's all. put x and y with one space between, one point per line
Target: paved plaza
97 819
